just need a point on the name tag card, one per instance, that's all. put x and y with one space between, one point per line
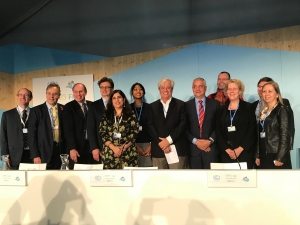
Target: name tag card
111 178
12 178
78 166
32 166
232 178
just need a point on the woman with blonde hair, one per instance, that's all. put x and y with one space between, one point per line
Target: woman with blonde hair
236 127
274 132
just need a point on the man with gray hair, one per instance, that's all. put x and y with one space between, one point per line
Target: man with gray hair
167 125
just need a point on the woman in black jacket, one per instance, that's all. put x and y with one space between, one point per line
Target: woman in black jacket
274 132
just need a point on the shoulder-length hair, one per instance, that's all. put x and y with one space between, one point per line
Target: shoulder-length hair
110 110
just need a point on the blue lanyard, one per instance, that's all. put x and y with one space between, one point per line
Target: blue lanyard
232 116
138 115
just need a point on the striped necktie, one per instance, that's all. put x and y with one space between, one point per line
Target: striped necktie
201 115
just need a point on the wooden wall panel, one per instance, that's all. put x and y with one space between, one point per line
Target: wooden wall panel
287 38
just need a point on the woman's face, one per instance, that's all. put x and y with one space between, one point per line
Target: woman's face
117 101
233 91
269 94
137 92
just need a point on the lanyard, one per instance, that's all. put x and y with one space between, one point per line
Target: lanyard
138 115
232 116
118 122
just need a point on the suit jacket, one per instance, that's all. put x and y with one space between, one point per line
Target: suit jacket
290 115
40 134
174 124
75 126
245 134
209 123
12 136
95 113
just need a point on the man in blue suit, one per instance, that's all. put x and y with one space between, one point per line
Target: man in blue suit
201 122
14 131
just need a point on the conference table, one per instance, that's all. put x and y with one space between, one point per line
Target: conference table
144 197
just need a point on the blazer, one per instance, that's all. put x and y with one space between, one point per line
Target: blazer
12 136
290 116
245 124
40 134
174 124
209 123
75 126
95 113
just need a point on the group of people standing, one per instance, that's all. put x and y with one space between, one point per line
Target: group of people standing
221 127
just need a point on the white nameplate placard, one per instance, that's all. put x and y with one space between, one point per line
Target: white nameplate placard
231 178
111 178
12 178
32 166
141 168
78 166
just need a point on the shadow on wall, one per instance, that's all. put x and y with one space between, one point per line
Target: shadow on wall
53 202
173 211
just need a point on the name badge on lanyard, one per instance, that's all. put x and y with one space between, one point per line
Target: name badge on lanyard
117 135
231 128
25 130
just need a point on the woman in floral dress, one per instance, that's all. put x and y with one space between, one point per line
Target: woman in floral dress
118 129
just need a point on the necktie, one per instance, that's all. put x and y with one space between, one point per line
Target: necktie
201 115
25 138
84 107
55 120
24 116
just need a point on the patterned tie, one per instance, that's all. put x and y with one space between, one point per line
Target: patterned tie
25 137
201 115
55 120
84 107
24 116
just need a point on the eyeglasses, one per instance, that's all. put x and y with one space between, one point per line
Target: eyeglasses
105 87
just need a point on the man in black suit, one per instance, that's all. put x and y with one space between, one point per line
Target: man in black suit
201 124
75 126
167 124
45 130
14 130
258 106
95 113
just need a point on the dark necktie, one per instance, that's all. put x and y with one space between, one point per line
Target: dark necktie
24 116
84 107
201 115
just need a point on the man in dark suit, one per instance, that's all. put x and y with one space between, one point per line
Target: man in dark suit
201 123
75 126
95 113
167 124
258 106
45 130
14 130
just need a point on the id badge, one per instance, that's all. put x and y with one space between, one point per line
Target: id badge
140 128
231 129
262 134
117 135
25 130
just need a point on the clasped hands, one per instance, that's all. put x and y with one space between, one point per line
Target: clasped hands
118 150
234 153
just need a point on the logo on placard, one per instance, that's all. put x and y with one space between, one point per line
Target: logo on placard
217 177
98 178
122 179
246 179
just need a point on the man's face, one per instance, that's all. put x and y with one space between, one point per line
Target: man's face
222 80
79 93
52 95
199 88
23 98
259 88
165 90
105 89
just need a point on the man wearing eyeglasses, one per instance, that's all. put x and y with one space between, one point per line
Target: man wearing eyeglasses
106 86
14 140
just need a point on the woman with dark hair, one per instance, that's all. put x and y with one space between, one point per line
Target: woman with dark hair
143 140
118 129
274 131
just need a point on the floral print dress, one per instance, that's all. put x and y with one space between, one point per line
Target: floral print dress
128 128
